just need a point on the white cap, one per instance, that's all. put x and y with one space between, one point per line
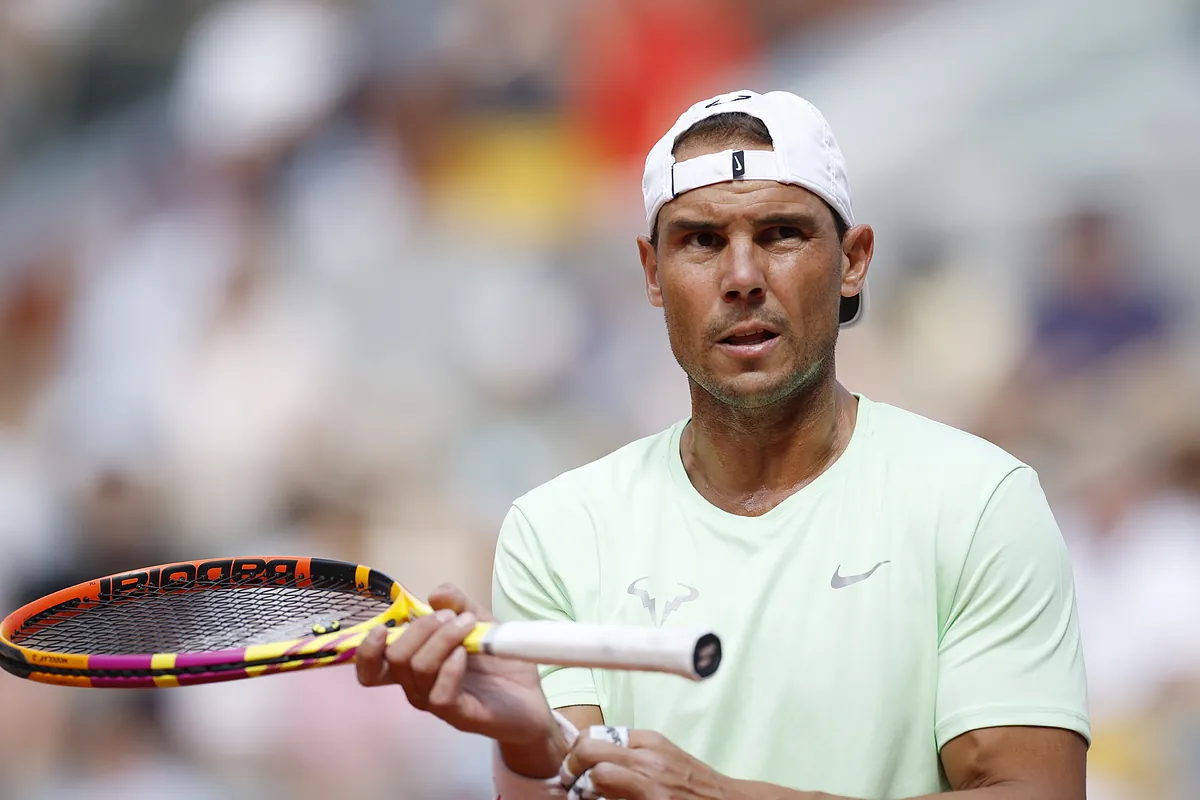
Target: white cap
805 154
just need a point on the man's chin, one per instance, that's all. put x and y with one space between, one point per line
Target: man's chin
750 392
759 389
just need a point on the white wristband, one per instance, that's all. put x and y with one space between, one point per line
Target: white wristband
581 788
511 786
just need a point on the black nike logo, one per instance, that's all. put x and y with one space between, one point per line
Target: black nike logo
839 581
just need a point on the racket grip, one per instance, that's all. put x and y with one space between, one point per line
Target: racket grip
692 654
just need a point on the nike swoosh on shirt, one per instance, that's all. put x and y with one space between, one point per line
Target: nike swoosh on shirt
842 581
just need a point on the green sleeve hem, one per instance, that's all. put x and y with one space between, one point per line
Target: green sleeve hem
578 697
1006 716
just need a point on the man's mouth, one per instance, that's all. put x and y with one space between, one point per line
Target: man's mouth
749 338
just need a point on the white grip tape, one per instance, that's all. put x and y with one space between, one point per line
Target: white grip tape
577 644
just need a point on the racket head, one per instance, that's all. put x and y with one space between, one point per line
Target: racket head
202 621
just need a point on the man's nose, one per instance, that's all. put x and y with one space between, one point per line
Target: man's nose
744 275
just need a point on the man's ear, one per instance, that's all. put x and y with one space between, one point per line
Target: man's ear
858 247
649 257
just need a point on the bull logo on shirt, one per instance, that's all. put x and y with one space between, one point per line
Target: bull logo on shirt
650 603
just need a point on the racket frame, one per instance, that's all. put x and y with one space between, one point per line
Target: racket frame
692 654
181 669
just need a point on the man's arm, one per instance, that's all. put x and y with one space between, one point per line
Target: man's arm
542 758
1010 763
527 584
986 764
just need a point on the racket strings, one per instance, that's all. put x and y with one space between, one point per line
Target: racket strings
197 618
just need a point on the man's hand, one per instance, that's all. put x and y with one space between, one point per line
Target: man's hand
494 697
650 768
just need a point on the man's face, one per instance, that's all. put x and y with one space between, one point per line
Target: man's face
750 275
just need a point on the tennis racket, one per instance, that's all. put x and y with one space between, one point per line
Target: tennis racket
232 618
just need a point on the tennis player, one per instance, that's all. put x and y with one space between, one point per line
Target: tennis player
894 595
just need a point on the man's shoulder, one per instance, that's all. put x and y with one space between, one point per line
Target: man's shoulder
935 468
936 448
950 481
602 480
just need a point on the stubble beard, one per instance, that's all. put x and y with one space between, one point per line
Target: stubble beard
811 372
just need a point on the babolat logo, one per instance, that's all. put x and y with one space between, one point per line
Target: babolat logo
225 571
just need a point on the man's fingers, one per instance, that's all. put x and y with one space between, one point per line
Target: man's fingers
400 652
450 596
587 753
613 780
369 665
444 693
641 739
608 769
427 662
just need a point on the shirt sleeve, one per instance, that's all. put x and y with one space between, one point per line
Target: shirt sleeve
1010 651
525 586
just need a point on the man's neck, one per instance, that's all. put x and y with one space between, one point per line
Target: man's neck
747 461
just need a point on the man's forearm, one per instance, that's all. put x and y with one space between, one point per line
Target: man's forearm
539 758
752 790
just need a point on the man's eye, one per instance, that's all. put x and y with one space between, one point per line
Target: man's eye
784 232
704 239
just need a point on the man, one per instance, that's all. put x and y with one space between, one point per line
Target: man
893 595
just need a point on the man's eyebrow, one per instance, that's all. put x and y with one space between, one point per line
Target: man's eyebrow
803 220
685 224
800 219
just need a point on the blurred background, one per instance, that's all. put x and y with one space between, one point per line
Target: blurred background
345 277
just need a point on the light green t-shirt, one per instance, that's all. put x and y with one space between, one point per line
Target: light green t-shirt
916 590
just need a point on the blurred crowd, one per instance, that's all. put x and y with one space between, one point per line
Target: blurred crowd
345 277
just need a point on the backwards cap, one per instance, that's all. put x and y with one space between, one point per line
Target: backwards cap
805 154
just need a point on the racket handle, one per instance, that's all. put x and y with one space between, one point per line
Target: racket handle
690 653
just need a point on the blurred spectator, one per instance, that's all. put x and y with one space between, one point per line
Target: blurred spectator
638 64
1103 366
1102 297
1133 529
120 748
508 53
257 74
781 21
33 306
233 452
31 744
946 337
